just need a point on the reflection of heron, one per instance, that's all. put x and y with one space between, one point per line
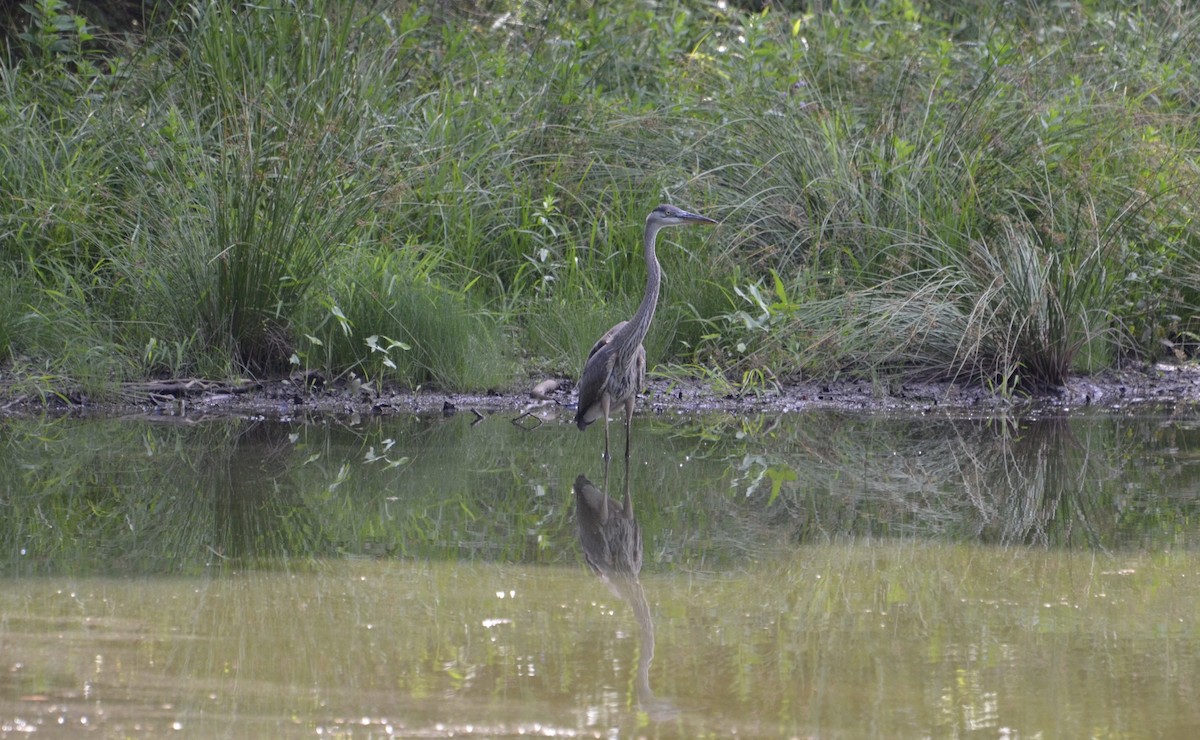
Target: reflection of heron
612 548
616 365
608 532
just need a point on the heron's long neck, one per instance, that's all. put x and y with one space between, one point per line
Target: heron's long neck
632 334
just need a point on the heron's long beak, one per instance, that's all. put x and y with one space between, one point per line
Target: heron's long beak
695 218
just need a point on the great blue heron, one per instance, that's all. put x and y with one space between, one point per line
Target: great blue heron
615 368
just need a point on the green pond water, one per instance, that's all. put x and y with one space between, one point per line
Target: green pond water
816 574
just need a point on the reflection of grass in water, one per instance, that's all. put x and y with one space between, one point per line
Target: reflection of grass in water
710 495
463 492
111 496
98 495
1052 481
123 497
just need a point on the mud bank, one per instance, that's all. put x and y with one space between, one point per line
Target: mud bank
1159 385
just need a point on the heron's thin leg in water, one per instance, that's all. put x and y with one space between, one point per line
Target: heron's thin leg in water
628 501
604 510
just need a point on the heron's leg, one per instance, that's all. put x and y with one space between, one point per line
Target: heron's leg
604 505
628 500
604 404
628 428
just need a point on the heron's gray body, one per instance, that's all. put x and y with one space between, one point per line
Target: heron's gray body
601 376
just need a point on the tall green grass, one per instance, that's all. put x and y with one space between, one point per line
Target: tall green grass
385 319
1004 199
980 220
278 172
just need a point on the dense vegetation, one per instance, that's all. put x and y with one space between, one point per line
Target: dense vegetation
441 196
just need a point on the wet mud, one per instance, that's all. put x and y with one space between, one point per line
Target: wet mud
542 398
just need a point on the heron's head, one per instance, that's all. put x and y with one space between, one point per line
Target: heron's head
668 215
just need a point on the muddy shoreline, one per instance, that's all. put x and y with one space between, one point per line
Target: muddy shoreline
1159 385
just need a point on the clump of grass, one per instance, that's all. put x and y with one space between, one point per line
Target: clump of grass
263 173
963 227
385 319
